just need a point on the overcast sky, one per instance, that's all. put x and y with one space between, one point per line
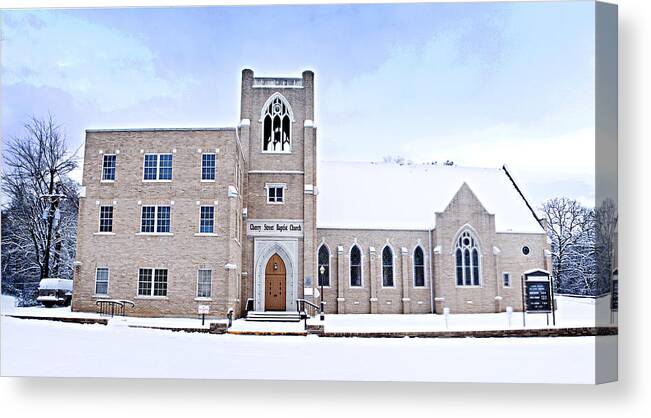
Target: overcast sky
480 84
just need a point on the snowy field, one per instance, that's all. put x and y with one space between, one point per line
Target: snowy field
47 348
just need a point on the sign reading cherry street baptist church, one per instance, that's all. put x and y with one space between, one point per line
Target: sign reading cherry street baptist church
274 228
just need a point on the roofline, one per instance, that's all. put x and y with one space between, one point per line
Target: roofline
533 212
159 129
426 229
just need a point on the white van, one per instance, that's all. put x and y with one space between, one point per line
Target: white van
54 292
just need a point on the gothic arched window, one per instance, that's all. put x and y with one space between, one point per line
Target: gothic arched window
419 267
355 267
387 267
324 261
276 125
467 260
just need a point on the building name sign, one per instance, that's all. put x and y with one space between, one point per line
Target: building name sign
275 228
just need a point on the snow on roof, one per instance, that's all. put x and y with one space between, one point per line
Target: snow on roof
55 284
364 195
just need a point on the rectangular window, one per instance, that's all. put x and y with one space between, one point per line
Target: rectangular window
101 281
106 219
165 167
151 166
144 282
207 222
275 193
108 167
155 219
163 219
148 219
152 282
204 283
506 279
158 167
208 167
160 282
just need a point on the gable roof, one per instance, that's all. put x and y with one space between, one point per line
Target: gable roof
363 195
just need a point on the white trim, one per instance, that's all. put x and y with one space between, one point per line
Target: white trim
361 267
214 220
268 186
197 288
115 168
157 179
156 220
393 266
263 114
510 280
323 244
201 168
154 234
153 273
413 267
108 281
99 221
478 247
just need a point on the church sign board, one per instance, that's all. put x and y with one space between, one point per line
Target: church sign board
537 293
614 292
274 228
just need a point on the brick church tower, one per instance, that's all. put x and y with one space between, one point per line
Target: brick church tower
278 140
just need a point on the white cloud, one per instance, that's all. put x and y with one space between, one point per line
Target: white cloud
92 62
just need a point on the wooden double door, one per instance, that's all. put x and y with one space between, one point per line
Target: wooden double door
275 284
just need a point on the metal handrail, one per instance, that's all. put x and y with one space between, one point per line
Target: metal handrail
306 306
113 307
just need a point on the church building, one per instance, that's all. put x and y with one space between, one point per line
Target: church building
249 218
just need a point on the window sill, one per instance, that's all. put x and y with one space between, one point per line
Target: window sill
103 233
157 181
468 287
101 297
107 181
155 234
208 181
277 152
203 299
153 297
206 234
275 203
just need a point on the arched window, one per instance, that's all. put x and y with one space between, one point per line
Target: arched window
467 260
276 125
355 267
387 267
324 261
419 267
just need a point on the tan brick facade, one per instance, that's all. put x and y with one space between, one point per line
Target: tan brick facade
236 256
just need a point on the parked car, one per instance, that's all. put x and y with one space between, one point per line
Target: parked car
54 292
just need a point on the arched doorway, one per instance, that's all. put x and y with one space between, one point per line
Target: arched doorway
275 284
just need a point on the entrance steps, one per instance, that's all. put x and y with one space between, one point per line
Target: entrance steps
273 316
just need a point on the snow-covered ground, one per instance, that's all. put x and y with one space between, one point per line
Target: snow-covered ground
572 312
48 348
45 348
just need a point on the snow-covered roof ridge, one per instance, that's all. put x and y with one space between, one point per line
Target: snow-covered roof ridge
388 195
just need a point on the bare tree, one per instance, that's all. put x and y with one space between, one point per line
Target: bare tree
606 219
568 223
35 184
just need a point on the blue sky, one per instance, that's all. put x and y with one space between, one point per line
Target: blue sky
480 84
